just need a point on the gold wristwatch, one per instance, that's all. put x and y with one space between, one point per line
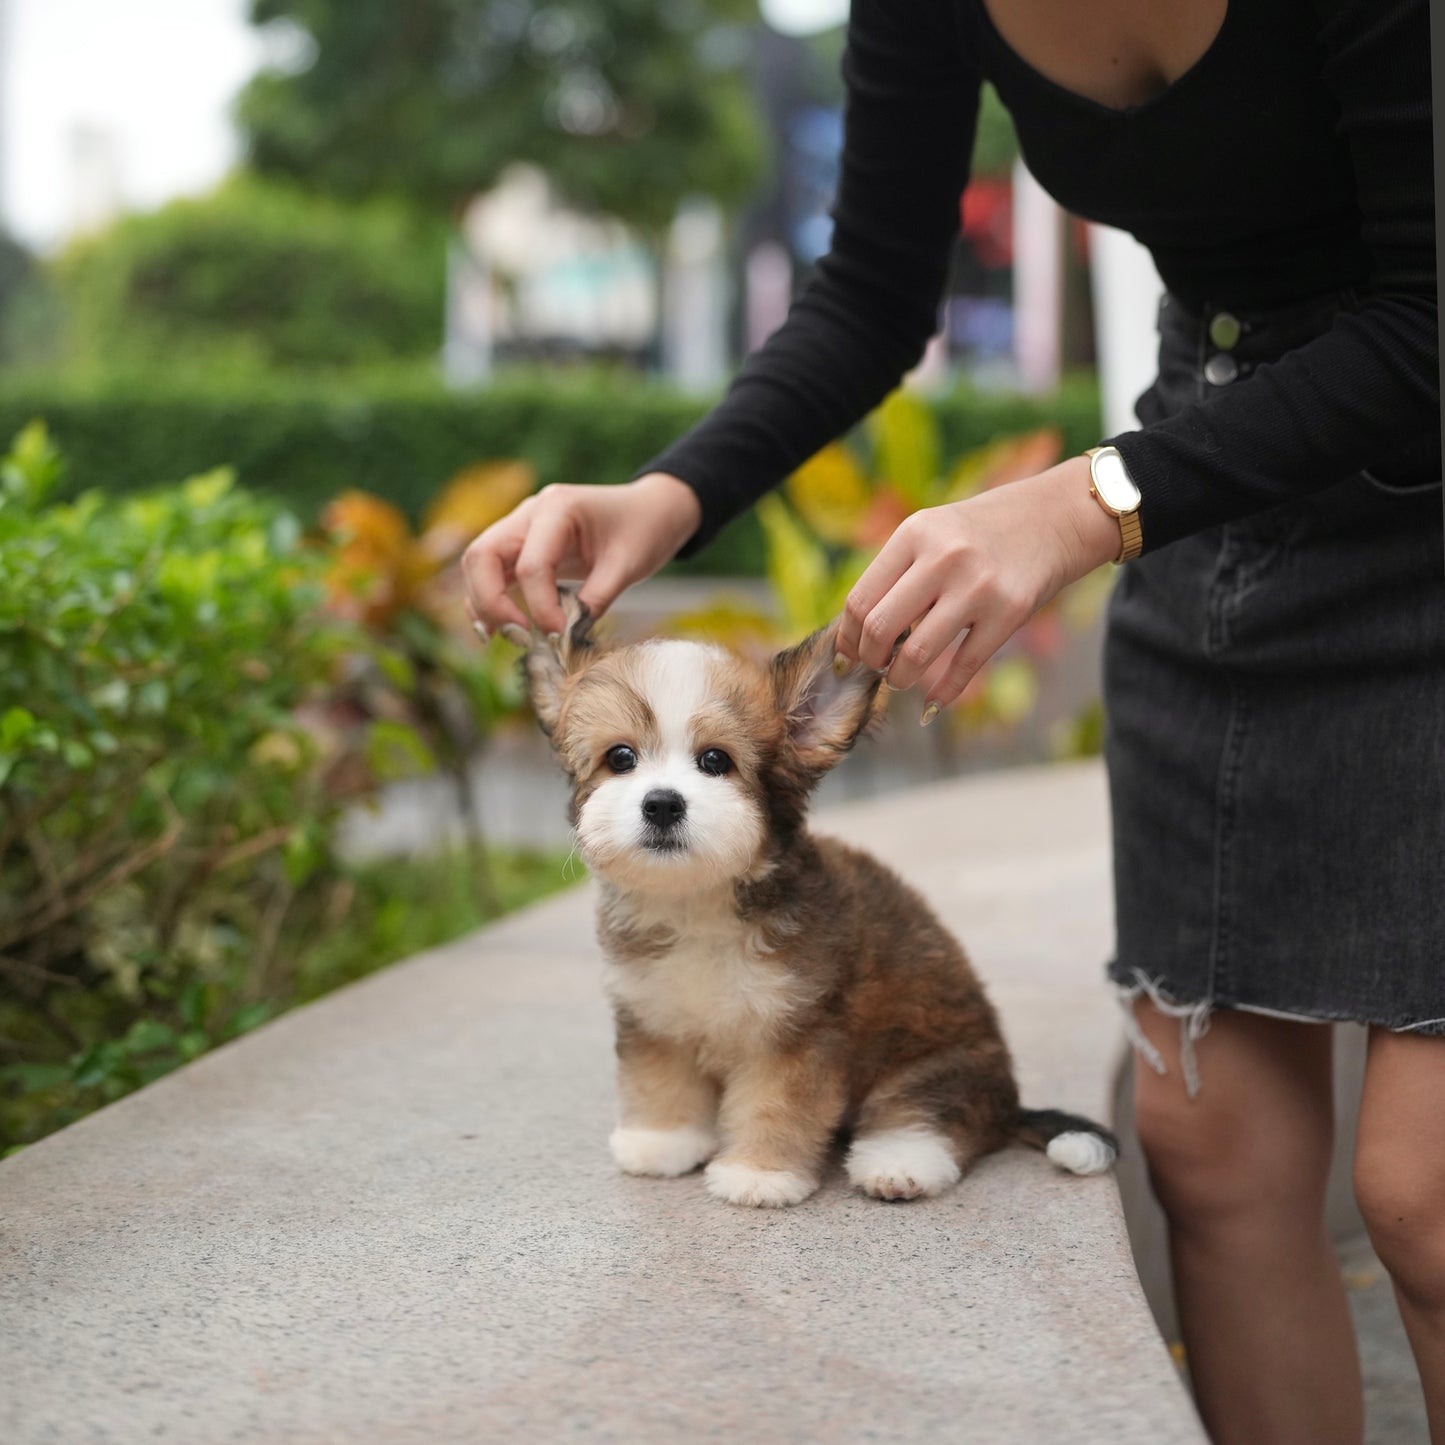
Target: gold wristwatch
1117 493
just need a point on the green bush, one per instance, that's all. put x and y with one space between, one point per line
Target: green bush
402 436
168 878
161 814
256 275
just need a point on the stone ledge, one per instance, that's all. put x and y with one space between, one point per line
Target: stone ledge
391 1217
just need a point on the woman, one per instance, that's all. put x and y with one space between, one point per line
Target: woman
1275 666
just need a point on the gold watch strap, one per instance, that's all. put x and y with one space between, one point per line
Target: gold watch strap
1133 535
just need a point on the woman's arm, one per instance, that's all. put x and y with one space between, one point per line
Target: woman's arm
1365 394
911 110
1366 391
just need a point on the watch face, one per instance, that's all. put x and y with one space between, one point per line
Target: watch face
1113 482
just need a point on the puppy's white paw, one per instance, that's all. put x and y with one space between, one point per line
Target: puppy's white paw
662 1152
757 1188
1081 1153
902 1164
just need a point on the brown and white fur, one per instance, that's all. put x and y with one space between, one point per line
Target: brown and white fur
770 988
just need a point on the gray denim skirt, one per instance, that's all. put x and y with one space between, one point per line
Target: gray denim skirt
1275 736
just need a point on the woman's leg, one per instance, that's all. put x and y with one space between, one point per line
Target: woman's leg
1400 1186
1240 1170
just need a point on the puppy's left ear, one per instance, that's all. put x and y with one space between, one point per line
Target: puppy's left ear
827 711
551 661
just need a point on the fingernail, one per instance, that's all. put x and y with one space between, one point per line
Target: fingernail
929 713
480 628
554 637
514 634
841 665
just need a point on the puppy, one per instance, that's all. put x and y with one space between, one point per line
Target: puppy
770 988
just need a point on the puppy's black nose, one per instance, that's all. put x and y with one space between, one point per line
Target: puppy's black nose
664 807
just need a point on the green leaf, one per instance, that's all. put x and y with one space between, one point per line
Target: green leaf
32 468
304 852
397 668
394 751
1012 689
192 1003
16 724
905 438
797 568
76 754
252 1016
99 1063
33 1078
193 1044
147 1035
208 488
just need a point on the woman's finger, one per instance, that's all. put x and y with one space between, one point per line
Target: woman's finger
549 540
868 591
487 569
909 599
613 571
933 637
981 643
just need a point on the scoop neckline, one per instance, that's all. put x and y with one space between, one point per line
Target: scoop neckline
1086 102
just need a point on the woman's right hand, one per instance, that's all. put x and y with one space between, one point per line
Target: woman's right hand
605 537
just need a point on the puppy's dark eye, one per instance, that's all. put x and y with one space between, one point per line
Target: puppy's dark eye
714 762
621 759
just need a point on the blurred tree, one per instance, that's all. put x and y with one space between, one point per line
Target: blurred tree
626 105
28 307
256 274
995 147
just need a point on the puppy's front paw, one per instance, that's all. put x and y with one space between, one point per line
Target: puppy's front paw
662 1152
757 1188
902 1164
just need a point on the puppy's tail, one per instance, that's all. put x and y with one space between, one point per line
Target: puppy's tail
1072 1142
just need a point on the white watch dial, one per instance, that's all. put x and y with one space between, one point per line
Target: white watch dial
1113 482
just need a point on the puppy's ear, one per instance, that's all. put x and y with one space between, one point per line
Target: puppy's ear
826 710
551 661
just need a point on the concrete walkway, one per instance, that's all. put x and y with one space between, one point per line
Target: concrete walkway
391 1217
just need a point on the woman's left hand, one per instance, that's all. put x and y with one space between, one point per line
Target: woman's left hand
967 575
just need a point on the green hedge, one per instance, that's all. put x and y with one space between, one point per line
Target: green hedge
256 274
402 436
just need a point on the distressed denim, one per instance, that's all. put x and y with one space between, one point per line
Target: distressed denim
1275 738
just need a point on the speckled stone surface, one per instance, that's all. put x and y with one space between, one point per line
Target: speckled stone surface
391 1217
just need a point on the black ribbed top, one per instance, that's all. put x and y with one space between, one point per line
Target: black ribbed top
1293 159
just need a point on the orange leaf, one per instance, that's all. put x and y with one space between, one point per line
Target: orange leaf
376 565
1003 460
887 509
1025 456
476 497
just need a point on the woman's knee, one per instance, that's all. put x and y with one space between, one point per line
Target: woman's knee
1400 1161
1400 1190
1256 1137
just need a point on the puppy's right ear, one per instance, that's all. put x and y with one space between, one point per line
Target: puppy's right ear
552 661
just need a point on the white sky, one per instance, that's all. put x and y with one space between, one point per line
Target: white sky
803 17
154 79
157 76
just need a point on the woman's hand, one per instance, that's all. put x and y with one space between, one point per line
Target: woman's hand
606 537
967 575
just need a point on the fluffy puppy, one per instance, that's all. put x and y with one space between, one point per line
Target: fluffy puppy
770 988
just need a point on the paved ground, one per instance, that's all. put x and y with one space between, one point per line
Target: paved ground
1394 1405
390 1217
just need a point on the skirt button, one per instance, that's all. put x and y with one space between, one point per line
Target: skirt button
1221 370
1224 331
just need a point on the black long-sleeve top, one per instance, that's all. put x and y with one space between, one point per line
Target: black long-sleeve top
1293 159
